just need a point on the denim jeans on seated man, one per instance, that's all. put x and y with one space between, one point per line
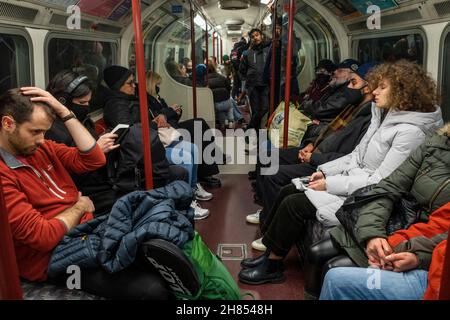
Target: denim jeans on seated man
224 111
373 284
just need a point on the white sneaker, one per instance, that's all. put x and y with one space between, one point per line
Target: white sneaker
258 245
201 194
199 212
254 217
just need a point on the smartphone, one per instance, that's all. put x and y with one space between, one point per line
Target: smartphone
305 180
120 130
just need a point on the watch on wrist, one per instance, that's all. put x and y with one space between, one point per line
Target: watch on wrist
71 115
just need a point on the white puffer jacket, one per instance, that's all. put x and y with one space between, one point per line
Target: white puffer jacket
382 149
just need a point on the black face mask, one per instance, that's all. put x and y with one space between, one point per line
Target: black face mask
353 96
189 70
80 111
157 89
322 78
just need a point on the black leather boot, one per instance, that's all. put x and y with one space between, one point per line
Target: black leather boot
267 271
253 262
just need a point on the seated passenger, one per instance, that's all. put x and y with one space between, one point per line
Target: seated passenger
122 107
74 91
323 111
172 114
338 139
404 113
174 71
200 71
43 203
223 103
413 269
320 85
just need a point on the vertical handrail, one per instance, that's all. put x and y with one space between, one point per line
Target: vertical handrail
9 275
444 291
214 43
143 103
274 50
221 51
287 91
207 52
194 61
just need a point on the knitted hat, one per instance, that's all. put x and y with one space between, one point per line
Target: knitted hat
115 76
225 58
200 70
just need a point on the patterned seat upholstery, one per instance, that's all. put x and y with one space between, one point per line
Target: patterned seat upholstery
47 291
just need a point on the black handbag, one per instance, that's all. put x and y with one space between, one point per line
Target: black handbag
405 212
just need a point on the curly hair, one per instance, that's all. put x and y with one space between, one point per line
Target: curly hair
412 89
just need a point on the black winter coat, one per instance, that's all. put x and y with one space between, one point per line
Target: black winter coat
220 87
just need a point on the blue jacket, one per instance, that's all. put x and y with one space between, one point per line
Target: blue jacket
112 241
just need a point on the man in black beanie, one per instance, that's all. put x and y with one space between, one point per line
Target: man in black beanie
116 76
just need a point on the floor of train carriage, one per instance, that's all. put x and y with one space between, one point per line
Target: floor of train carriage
226 227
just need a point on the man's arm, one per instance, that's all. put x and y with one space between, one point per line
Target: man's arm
81 136
71 216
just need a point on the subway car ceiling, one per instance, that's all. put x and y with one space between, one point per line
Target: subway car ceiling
327 29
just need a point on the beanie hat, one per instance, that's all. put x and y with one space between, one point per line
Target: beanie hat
200 70
349 64
327 65
225 58
365 68
115 76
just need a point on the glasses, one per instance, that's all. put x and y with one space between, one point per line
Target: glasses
130 83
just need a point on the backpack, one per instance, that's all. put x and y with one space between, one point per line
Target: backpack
192 273
125 165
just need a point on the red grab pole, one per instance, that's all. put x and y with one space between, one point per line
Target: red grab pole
214 43
194 62
9 275
287 91
136 7
444 291
207 52
274 50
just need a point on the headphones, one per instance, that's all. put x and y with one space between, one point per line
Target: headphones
66 96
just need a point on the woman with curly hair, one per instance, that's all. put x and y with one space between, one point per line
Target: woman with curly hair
405 111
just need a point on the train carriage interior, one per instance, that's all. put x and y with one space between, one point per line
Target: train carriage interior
188 45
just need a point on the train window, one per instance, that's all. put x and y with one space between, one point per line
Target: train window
445 84
15 66
87 57
391 48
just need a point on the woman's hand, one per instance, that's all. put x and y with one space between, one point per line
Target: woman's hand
318 175
403 261
161 121
318 185
176 108
106 142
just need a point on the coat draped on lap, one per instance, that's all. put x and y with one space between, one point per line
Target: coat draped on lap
112 241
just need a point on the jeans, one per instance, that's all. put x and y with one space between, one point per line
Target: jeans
237 114
259 103
224 110
373 284
185 154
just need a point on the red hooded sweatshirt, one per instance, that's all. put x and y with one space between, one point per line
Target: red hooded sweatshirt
37 188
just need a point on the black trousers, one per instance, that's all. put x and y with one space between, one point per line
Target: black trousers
134 283
259 102
268 187
286 222
204 170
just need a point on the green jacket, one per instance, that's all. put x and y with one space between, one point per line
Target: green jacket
425 174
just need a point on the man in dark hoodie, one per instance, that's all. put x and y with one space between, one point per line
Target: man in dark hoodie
252 73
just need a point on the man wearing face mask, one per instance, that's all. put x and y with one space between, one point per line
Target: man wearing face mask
337 139
323 111
320 85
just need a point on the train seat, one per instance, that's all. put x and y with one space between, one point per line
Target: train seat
47 291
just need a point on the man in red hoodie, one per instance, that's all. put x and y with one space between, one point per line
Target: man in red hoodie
42 201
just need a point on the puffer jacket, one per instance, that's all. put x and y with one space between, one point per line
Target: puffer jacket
112 241
383 148
425 175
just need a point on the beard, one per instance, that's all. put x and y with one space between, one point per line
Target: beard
19 145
